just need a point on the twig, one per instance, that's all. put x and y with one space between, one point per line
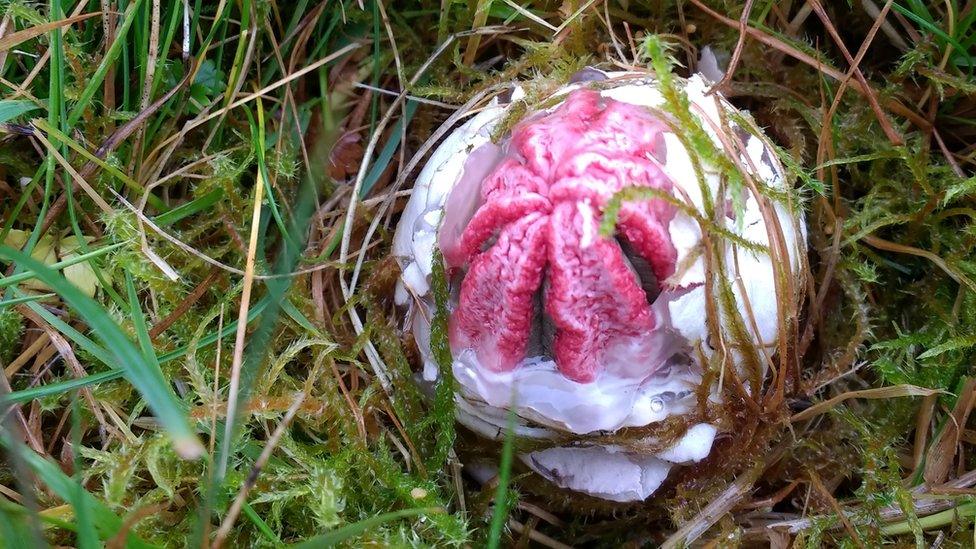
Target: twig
892 104
825 493
536 536
79 181
924 418
252 477
28 354
737 52
879 392
882 244
414 98
238 357
872 10
531 16
926 501
64 349
715 510
572 17
854 63
184 305
943 450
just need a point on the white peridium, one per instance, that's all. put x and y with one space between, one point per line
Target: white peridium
611 473
693 446
620 397
599 471
544 400
416 235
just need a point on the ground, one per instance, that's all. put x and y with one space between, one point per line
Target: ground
197 202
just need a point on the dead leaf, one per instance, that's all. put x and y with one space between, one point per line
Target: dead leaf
881 392
13 39
80 274
345 156
938 460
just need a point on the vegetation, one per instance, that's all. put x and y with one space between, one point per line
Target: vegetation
197 332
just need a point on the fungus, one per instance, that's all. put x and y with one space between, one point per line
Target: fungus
586 333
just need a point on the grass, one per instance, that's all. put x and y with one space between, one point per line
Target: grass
232 174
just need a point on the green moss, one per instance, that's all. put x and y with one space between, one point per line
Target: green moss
11 328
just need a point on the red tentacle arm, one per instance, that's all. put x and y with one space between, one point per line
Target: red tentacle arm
593 296
544 202
494 314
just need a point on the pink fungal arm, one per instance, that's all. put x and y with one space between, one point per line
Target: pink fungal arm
497 294
538 225
593 296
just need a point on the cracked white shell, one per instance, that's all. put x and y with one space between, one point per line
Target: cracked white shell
547 403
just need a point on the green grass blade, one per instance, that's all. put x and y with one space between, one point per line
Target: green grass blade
15 462
927 25
26 192
298 317
262 526
389 149
12 108
195 206
500 512
79 338
84 514
139 322
230 328
93 85
14 524
22 277
258 143
935 520
24 299
260 339
27 395
60 137
149 381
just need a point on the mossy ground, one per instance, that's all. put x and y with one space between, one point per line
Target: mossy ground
207 155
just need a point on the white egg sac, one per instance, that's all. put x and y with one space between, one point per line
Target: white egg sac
585 332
